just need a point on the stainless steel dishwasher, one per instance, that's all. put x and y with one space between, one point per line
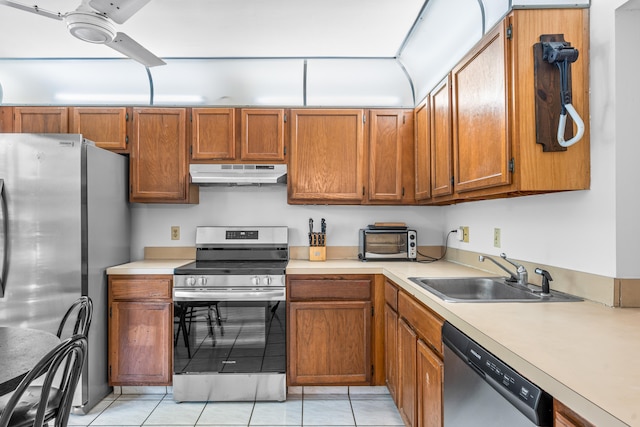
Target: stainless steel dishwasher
481 390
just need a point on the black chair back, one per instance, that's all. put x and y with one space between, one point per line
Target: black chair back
82 308
34 404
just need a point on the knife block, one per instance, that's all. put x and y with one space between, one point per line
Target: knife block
317 253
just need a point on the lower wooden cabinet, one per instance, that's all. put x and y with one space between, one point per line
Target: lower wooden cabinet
565 417
408 395
391 351
430 381
413 355
329 338
140 330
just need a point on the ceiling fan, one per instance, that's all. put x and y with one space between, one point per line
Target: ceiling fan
93 22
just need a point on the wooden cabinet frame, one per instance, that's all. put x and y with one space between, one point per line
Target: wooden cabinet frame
106 126
331 339
140 330
326 163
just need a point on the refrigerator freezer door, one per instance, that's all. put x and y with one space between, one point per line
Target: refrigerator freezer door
42 191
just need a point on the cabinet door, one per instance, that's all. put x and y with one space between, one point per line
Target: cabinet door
441 148
430 387
391 351
407 392
262 135
480 116
213 133
107 127
158 158
563 416
327 160
6 119
140 343
385 155
422 154
41 120
329 343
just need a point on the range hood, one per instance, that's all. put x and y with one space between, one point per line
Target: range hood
237 174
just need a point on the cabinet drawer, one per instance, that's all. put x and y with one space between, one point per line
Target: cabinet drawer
140 287
424 322
330 289
391 294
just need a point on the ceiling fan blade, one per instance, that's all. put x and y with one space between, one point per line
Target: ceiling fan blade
33 9
118 10
129 47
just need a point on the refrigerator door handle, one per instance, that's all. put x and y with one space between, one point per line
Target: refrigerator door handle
5 239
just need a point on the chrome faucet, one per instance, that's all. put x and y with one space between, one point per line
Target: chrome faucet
522 277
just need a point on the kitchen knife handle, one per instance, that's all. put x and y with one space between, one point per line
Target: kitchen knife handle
5 238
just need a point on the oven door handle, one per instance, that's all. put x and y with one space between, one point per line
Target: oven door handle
185 295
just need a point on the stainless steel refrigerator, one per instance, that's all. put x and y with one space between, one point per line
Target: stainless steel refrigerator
64 218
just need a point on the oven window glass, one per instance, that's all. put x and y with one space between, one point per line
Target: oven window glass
229 337
386 243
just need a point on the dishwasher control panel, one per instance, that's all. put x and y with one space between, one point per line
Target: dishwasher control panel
503 375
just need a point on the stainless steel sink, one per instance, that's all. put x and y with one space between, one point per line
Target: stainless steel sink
486 289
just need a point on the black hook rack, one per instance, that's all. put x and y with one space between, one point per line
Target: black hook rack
551 55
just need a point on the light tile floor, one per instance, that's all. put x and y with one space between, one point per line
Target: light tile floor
334 406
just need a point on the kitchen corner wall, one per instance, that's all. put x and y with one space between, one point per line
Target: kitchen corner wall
267 205
594 231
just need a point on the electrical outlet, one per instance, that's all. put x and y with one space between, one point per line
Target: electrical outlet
465 234
175 232
496 237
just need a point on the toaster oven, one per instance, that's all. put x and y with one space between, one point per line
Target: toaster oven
387 245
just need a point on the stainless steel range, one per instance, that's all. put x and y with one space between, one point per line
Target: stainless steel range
229 316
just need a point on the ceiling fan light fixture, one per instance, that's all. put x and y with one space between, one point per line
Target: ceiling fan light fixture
90 27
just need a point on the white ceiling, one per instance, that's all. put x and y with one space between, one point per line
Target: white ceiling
225 28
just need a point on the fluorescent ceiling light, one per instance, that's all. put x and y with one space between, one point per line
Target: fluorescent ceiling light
127 98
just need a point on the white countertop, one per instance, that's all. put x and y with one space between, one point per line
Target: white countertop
583 353
150 266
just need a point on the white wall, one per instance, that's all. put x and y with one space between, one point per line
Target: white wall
627 90
592 231
151 224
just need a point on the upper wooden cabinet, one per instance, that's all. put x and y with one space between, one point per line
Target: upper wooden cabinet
480 123
159 169
238 135
107 126
6 119
213 134
326 162
494 110
440 140
262 135
40 120
422 153
390 153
